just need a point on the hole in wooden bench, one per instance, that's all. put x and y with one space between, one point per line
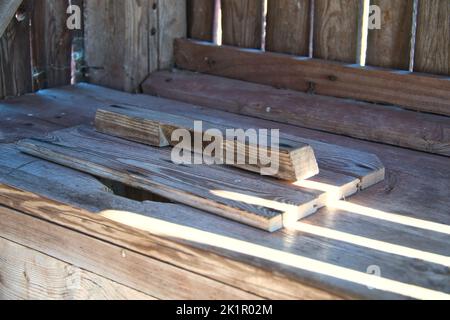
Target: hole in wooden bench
132 193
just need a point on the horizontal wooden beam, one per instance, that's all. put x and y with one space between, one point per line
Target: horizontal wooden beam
416 91
386 124
8 9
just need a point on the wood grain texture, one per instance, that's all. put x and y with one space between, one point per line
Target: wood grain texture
263 204
411 90
288 26
361 120
200 19
30 275
8 9
15 61
52 44
172 24
117 42
336 29
150 276
62 184
390 46
242 23
433 34
294 161
398 211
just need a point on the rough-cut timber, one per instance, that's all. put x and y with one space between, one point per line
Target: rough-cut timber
390 46
385 124
336 29
246 198
411 90
288 26
433 34
200 19
15 66
294 161
52 44
8 9
30 275
242 23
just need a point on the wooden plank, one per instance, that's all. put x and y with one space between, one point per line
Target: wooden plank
30 275
411 90
242 23
360 120
336 29
117 42
15 61
144 274
172 24
390 46
433 34
288 26
8 9
295 161
210 188
52 44
200 19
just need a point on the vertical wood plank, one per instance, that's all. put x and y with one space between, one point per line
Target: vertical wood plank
288 26
242 23
15 59
433 37
172 25
200 15
390 46
336 29
78 61
51 44
117 42
8 9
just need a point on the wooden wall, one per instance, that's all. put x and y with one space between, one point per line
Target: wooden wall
119 44
127 40
414 34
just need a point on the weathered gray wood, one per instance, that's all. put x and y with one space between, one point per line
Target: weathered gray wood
294 161
8 9
411 90
216 189
52 44
15 61
30 275
409 209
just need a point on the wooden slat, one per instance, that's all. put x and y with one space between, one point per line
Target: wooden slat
15 60
390 46
52 44
412 90
336 29
433 37
242 23
150 276
200 19
268 205
8 9
288 26
294 160
356 119
172 24
30 275
117 37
